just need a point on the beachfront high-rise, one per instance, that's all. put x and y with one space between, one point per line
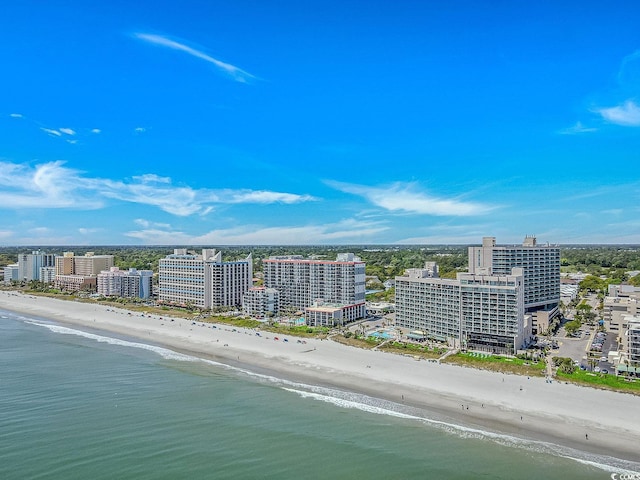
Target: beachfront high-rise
204 281
76 272
477 311
541 267
303 283
130 283
29 264
88 264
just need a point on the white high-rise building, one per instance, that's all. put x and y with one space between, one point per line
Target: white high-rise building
204 281
541 267
476 311
29 264
11 273
130 283
303 282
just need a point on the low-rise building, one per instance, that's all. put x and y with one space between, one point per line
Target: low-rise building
322 314
260 302
75 283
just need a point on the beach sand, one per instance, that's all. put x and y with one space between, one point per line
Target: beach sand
530 408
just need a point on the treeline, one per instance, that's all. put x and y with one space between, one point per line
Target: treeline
382 261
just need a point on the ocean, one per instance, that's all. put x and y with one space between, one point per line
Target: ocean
87 405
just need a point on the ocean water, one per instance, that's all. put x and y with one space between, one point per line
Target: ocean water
87 405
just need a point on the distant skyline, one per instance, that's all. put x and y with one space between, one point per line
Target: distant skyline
259 123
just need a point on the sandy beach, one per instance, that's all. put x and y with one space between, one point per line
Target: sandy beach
530 408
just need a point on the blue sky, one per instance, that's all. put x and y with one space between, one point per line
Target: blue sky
252 122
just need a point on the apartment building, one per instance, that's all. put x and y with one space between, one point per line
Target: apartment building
260 302
75 283
628 358
203 280
11 273
475 311
80 272
29 264
305 282
130 283
541 267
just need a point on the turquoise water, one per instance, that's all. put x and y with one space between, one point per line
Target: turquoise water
86 405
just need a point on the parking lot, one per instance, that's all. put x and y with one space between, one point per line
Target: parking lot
602 344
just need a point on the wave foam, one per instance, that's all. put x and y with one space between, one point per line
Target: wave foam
345 399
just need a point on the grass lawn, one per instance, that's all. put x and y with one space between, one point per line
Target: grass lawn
498 363
422 351
601 380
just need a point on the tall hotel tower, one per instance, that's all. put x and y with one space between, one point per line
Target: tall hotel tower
204 281
303 282
541 267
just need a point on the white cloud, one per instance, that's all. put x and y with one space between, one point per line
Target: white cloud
344 231
52 185
16 115
400 197
151 178
139 130
148 224
238 74
96 130
627 114
51 131
262 196
67 131
576 129
72 142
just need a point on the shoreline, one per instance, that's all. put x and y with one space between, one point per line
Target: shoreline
527 408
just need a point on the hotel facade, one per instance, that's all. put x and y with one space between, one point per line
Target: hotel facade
204 280
306 283
541 268
130 283
509 293
475 311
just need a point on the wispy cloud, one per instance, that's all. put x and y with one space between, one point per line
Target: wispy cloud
139 130
236 73
577 129
148 224
51 131
627 114
96 130
50 185
15 115
402 197
264 196
67 131
53 185
343 231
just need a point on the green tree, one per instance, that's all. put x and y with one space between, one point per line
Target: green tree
572 327
591 283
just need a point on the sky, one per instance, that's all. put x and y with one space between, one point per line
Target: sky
332 122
